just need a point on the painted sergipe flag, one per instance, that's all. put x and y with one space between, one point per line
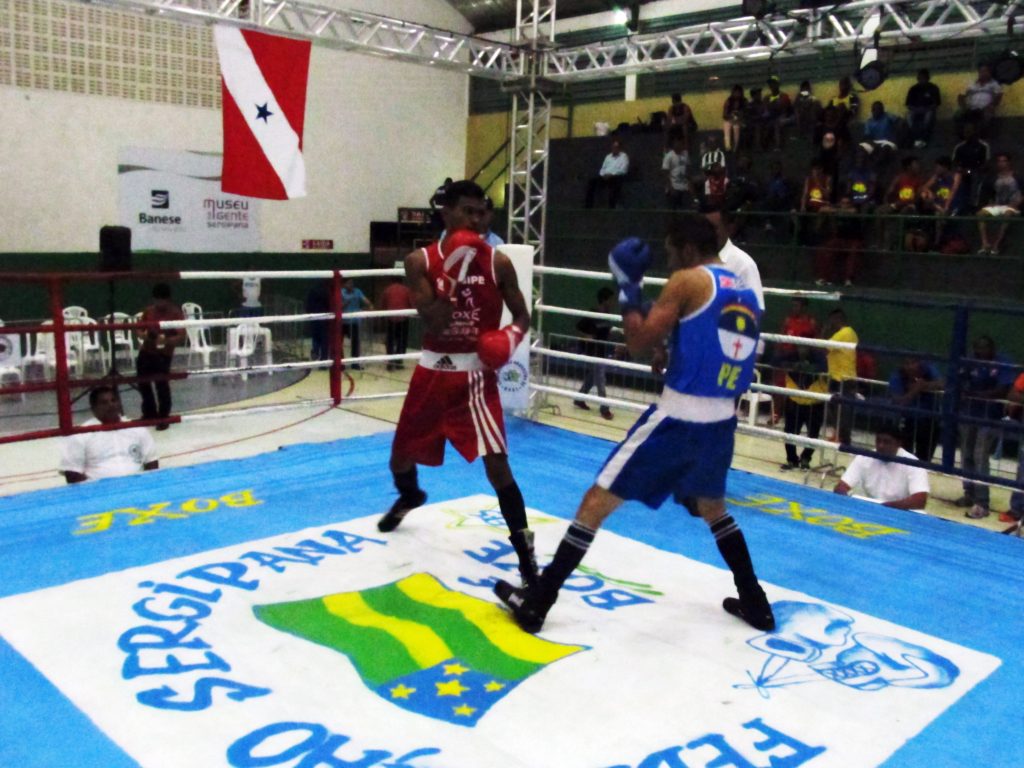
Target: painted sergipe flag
263 83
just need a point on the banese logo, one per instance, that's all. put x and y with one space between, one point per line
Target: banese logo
160 198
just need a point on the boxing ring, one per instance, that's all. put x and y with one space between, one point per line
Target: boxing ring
248 613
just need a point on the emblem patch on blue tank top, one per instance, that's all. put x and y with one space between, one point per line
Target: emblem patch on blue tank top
737 331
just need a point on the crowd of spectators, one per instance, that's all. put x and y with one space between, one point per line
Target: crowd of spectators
862 169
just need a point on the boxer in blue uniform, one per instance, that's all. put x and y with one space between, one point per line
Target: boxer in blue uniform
682 446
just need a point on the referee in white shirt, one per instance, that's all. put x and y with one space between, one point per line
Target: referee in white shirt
891 483
92 455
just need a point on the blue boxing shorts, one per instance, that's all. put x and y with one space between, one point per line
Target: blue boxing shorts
662 455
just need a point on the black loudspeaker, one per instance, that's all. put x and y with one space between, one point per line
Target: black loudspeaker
115 249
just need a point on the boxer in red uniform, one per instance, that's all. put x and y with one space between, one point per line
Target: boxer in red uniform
459 286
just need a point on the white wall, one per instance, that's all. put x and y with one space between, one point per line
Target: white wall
379 134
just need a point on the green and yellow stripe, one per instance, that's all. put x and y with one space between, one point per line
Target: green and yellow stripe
398 629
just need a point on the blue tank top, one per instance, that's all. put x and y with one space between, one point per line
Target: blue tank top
712 351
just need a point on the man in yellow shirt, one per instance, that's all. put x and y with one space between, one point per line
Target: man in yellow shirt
842 372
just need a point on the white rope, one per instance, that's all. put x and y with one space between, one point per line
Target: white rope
230 322
290 274
611 362
607 276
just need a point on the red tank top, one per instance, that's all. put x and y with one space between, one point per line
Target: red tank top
478 302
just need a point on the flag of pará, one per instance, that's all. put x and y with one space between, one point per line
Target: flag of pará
263 80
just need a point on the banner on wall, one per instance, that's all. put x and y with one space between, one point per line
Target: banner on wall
172 201
514 377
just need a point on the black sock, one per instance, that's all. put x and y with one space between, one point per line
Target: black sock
733 547
574 546
407 484
513 508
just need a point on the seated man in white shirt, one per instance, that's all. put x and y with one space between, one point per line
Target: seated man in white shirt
612 174
92 455
891 483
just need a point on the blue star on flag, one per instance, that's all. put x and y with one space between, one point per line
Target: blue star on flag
262 113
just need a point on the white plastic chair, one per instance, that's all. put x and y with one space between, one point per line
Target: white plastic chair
11 374
122 340
75 313
243 341
754 401
44 352
86 342
198 335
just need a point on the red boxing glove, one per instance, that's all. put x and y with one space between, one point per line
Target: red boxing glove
495 348
459 249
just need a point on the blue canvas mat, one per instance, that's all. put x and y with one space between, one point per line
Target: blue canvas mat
247 612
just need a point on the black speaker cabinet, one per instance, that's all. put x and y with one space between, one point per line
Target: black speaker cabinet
115 249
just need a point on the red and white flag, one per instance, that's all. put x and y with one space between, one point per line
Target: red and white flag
263 83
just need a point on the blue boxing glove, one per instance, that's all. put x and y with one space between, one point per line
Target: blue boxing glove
628 261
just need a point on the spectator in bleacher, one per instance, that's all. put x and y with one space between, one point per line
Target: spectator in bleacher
861 182
817 189
971 158
114 453
842 372
923 100
756 120
733 112
847 103
982 388
396 340
891 483
676 166
1000 198
881 130
596 335
831 121
979 103
716 186
710 154
1016 511
612 174
901 198
490 237
744 190
829 155
353 300
807 108
679 122
844 246
781 114
918 384
943 195
806 372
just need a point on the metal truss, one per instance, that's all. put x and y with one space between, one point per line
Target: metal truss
347 30
530 133
865 23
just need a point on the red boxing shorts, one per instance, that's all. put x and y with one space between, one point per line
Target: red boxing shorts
463 407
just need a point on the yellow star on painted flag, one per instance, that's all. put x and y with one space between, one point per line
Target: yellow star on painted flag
455 669
465 710
401 691
493 686
451 688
